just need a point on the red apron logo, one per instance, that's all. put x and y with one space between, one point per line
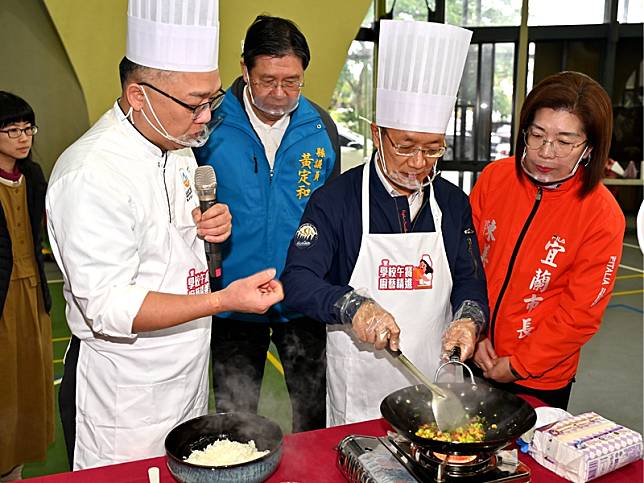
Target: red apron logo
197 282
406 277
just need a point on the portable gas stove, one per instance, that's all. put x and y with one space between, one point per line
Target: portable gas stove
366 459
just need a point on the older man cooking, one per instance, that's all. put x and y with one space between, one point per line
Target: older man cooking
351 262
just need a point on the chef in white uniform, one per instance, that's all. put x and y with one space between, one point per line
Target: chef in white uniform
351 264
126 231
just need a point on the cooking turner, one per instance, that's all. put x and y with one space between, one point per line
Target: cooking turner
449 413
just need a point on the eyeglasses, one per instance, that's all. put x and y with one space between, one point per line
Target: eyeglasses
198 110
410 151
536 140
286 85
16 132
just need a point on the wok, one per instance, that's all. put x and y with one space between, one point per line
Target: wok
408 408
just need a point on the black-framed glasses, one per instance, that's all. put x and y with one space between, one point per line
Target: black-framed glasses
16 132
286 85
198 110
536 140
410 151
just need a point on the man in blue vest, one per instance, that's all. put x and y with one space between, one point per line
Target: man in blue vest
272 150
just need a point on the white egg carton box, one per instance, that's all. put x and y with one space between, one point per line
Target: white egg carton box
584 447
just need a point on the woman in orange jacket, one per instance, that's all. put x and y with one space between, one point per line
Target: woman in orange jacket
551 239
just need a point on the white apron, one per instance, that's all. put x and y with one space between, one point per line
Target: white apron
130 394
388 265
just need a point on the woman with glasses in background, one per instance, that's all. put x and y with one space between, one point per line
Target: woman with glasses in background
551 239
26 399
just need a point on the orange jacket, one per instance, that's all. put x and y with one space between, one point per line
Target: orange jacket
559 280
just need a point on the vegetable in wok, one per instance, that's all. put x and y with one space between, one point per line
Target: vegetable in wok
473 432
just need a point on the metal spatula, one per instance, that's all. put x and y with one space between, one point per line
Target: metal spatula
448 410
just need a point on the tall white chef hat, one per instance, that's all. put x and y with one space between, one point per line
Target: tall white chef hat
176 35
420 65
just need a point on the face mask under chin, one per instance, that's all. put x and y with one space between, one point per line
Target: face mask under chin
546 179
186 140
192 141
277 113
405 180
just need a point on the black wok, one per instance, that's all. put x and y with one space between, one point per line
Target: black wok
409 408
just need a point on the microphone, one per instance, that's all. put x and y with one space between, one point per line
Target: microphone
206 188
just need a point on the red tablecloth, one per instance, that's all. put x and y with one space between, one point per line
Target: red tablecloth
310 457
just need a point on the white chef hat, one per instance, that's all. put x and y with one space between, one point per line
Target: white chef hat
176 35
420 65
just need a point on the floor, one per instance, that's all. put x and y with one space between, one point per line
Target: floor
609 381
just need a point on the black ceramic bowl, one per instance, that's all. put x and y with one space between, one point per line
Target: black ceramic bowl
199 432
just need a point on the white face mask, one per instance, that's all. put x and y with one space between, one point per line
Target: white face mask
546 179
272 111
404 180
187 140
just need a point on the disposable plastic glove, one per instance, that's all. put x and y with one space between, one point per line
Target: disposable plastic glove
370 322
374 325
462 333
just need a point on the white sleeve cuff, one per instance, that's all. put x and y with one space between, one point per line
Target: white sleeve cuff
115 311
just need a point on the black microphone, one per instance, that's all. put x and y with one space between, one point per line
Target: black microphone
206 187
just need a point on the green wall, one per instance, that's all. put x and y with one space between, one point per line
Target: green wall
329 27
93 35
62 55
36 67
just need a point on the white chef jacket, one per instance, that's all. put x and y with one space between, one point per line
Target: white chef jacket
120 225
